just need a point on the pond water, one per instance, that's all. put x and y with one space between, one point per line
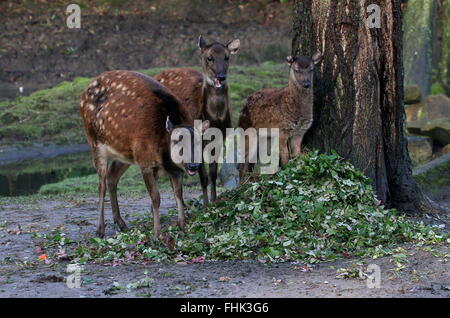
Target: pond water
26 177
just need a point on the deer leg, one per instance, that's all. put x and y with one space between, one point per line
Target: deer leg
243 167
177 185
295 145
213 177
246 166
101 165
150 178
204 182
115 172
284 150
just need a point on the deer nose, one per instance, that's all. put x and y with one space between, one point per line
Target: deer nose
222 77
193 166
306 84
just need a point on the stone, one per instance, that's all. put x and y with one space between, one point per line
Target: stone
420 149
412 94
438 129
443 151
432 107
434 177
229 175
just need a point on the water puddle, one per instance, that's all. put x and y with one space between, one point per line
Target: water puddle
26 177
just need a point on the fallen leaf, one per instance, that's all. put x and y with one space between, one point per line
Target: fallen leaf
200 259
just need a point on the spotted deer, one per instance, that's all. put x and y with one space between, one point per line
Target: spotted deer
129 118
205 95
290 109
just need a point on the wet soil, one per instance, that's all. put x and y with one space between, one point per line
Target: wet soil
424 275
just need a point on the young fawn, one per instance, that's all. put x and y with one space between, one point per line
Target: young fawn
290 109
205 95
129 118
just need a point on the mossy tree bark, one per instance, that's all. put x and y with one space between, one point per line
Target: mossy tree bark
443 72
358 106
419 32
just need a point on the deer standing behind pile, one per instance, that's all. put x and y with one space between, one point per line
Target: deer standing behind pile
129 119
290 109
205 96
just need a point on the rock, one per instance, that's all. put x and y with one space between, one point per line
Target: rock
420 149
412 94
432 107
229 175
434 177
443 151
438 129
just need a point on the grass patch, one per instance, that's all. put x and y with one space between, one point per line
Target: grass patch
317 208
131 184
52 115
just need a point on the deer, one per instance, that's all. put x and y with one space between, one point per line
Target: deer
290 109
130 118
205 96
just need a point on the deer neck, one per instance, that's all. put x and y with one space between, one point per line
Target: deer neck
215 101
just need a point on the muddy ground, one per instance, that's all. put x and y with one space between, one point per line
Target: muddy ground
38 50
426 274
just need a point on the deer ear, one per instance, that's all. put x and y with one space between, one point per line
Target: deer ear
317 57
233 46
205 125
289 60
201 42
169 125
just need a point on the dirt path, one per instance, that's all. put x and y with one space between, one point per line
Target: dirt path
426 274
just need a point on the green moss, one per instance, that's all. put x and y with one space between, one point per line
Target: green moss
437 89
436 179
49 115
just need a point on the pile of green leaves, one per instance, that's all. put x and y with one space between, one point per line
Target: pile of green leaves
317 208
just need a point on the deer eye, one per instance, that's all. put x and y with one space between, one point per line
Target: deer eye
227 58
210 59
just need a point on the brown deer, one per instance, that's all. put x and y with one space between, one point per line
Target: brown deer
129 118
205 95
290 109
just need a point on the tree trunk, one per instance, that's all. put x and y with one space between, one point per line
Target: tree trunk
358 106
443 73
419 33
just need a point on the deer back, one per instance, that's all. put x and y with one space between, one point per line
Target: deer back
125 113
